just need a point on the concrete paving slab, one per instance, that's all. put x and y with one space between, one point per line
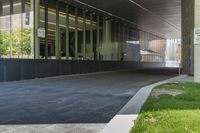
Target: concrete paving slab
52 128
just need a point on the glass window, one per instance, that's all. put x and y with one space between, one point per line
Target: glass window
100 37
5 28
42 28
16 28
87 30
80 33
94 29
28 32
62 29
51 34
72 32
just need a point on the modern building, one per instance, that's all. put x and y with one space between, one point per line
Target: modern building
44 33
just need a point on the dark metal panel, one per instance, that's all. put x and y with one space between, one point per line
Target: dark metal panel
13 69
47 68
19 69
65 67
28 69
1 70
93 66
75 68
84 66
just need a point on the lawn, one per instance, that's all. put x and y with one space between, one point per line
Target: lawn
171 108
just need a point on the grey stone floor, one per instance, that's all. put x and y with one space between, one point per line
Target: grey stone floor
52 128
94 99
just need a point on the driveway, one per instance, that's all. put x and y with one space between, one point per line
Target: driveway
90 98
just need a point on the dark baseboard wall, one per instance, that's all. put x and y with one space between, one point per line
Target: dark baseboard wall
22 69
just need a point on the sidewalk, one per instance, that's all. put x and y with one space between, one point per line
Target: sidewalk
52 128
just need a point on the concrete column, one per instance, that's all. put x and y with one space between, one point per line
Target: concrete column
1 14
36 26
84 36
124 41
119 40
187 36
76 34
57 42
91 37
197 45
106 40
46 29
67 32
11 12
98 39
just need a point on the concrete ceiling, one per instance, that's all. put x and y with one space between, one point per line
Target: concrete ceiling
161 17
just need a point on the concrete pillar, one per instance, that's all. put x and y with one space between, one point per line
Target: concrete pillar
76 34
46 29
57 42
67 32
36 26
119 40
188 37
1 14
107 54
11 41
197 43
84 36
98 39
91 37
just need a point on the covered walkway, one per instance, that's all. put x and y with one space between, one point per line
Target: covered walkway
90 98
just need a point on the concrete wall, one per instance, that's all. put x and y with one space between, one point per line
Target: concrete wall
21 69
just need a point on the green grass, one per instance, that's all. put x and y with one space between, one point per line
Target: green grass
171 114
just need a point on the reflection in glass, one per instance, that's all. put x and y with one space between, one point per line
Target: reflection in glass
80 33
42 27
94 30
65 32
62 30
5 29
87 30
51 34
72 32
16 28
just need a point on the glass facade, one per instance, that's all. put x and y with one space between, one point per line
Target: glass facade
49 29
16 29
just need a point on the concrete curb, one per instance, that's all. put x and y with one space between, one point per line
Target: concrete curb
124 120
